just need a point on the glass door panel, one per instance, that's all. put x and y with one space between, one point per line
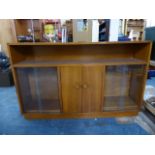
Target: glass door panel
123 87
39 89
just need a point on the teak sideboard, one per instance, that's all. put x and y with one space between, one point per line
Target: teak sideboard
79 80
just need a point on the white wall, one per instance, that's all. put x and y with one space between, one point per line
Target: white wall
150 22
95 30
114 30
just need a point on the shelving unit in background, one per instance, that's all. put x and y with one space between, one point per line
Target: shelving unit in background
27 27
39 30
137 25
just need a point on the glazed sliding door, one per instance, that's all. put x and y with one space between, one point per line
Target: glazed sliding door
39 89
123 87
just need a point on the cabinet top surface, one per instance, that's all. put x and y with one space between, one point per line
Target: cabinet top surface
80 43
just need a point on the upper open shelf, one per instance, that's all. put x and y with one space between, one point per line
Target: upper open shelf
108 53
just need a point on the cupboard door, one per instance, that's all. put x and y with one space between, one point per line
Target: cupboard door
71 88
39 89
92 88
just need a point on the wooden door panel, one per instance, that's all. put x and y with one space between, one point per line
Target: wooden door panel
71 88
92 95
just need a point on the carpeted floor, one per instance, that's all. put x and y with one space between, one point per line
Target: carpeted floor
13 123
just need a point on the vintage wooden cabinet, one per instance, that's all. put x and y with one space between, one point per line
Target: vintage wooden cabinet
73 80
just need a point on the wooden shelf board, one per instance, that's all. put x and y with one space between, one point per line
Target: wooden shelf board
113 103
109 62
78 43
52 106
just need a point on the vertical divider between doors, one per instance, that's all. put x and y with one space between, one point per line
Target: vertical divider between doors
59 88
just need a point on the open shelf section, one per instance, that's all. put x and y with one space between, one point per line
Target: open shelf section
109 62
41 54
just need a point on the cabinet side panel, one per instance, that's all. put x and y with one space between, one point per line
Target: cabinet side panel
146 53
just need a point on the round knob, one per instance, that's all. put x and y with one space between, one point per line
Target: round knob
85 86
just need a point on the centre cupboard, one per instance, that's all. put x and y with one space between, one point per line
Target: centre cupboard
80 80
